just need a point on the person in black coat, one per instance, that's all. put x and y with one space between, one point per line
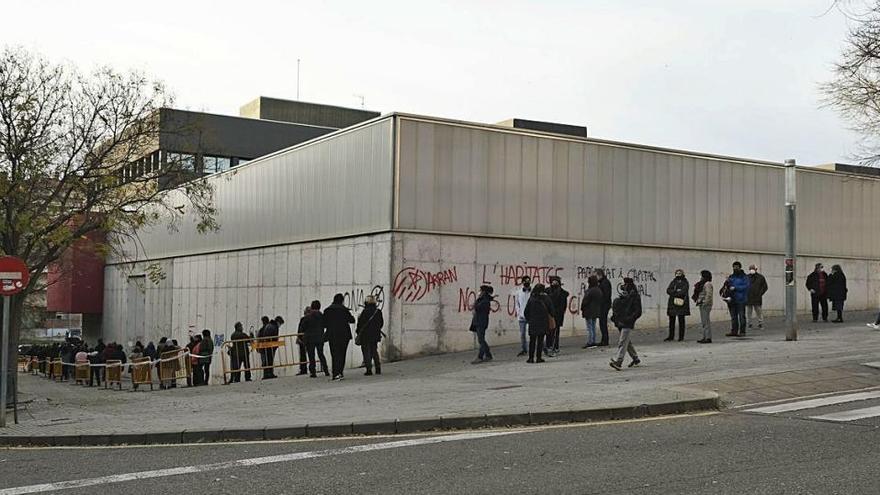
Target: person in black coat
817 284
369 332
559 298
627 310
270 334
538 311
337 322
311 326
480 322
239 354
591 309
679 305
605 287
837 291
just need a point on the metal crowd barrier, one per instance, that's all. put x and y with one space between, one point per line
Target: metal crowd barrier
262 354
57 368
174 365
141 372
113 369
81 373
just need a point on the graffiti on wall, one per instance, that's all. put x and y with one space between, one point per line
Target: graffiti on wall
412 284
354 299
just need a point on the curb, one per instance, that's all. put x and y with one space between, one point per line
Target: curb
390 427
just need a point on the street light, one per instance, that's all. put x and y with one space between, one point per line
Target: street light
790 247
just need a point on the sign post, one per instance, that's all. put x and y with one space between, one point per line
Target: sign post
14 277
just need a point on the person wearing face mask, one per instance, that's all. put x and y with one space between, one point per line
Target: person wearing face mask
817 284
679 305
837 291
559 297
757 289
520 299
739 295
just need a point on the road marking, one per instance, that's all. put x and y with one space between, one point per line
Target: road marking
814 403
255 461
803 397
868 412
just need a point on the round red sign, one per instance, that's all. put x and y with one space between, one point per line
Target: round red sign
14 275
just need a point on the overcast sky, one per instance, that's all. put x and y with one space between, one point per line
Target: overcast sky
735 77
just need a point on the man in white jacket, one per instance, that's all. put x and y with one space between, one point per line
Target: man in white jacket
521 298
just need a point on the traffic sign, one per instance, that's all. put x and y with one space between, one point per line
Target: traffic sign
14 275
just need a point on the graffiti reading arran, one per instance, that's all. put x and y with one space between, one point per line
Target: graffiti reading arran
412 284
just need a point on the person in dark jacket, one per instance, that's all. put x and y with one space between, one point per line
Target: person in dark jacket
817 284
480 322
311 326
559 298
239 354
591 308
837 291
757 289
738 288
627 310
270 334
369 331
605 287
538 311
206 353
679 305
337 322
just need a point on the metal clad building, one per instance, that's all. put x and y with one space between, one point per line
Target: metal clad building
421 211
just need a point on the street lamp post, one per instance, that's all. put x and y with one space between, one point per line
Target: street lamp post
790 248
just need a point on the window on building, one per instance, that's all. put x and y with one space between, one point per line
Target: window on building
182 161
215 164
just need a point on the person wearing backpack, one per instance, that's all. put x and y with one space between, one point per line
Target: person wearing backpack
539 314
739 285
703 298
625 311
678 306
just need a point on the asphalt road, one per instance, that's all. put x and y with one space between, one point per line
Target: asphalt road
731 452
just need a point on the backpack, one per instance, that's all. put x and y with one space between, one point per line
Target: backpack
726 291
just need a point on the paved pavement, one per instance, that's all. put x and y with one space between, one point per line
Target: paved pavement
759 368
731 452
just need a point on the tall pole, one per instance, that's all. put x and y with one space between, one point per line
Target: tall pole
4 350
790 248
297 79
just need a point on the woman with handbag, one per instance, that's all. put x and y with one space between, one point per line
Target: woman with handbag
539 313
678 306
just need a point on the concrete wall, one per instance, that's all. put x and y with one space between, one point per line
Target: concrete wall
214 291
435 279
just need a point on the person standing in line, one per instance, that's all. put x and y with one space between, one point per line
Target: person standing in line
739 295
837 291
559 298
757 289
271 332
369 331
627 309
817 284
198 374
480 323
538 311
264 356
591 309
312 328
521 299
678 306
207 353
703 298
239 351
605 287
337 322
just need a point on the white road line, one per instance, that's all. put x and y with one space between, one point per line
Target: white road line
868 412
255 461
813 403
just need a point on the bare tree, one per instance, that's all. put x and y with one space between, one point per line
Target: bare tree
855 89
67 142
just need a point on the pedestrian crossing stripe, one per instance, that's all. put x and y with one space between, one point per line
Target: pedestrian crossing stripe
856 414
842 416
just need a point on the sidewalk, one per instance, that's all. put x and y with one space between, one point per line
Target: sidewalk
447 391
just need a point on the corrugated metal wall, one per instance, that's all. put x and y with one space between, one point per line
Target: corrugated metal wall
329 188
467 179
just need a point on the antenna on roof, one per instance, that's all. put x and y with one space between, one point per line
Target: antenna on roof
297 79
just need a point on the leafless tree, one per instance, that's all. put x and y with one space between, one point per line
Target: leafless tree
67 142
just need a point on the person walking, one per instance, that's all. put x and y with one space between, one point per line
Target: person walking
369 334
520 300
591 309
311 326
538 312
817 284
703 298
480 323
605 287
837 291
678 307
207 355
337 322
559 298
239 354
738 290
757 289
626 310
